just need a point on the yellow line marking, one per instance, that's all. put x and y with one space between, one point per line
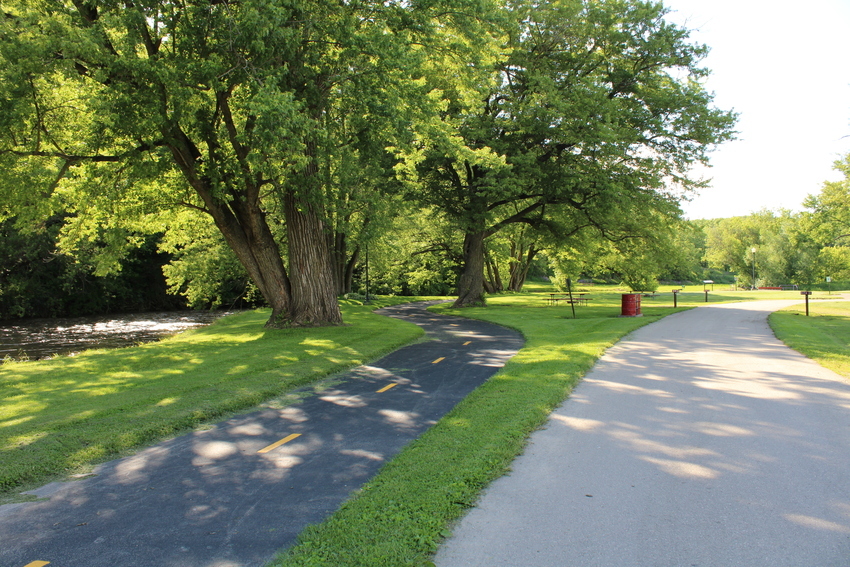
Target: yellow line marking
37 564
385 388
466 343
439 360
277 444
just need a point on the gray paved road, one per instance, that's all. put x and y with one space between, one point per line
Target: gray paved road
231 496
700 440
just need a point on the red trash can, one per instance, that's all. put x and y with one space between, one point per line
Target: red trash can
631 305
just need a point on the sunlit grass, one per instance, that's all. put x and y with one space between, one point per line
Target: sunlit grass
400 517
62 415
823 336
57 416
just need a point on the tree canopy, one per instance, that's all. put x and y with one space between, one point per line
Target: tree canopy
117 111
593 114
300 129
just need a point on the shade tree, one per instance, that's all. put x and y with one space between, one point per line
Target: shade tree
123 111
595 111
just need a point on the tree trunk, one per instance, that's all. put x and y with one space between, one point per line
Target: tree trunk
342 264
348 277
257 251
243 224
520 266
471 282
313 298
338 250
494 278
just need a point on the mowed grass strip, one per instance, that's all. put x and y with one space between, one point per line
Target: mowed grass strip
400 517
823 336
61 416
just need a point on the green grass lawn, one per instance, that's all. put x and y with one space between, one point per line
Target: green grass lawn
823 336
63 415
400 517
60 416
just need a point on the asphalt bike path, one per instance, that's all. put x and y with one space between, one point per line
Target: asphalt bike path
698 440
235 494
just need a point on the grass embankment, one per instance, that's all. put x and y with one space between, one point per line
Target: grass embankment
60 416
824 336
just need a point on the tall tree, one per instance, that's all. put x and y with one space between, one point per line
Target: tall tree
829 210
596 108
213 104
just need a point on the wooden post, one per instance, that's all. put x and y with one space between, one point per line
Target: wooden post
570 292
807 294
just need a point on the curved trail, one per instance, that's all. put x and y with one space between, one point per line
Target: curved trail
235 494
699 439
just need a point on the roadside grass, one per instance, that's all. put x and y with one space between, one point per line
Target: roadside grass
401 516
823 336
61 416
58 417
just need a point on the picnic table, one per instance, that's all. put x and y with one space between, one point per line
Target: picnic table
576 299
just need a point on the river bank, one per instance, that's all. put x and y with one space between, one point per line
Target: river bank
33 339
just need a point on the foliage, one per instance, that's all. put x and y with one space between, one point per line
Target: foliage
828 222
38 280
418 254
429 133
117 113
833 262
592 108
784 254
829 211
203 269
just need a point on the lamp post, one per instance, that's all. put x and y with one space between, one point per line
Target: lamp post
753 249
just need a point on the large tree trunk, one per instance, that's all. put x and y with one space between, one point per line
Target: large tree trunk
313 294
243 224
471 282
258 252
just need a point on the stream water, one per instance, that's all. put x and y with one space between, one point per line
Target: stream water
42 338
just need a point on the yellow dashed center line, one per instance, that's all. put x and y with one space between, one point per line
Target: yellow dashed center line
277 444
385 388
37 564
466 343
439 360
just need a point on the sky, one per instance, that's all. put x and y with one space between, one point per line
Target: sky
784 67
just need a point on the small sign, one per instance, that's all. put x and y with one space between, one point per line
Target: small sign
805 293
828 279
